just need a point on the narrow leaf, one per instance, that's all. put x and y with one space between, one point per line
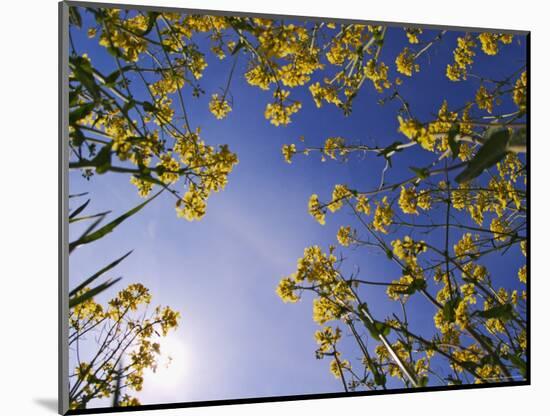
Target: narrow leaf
97 274
492 151
91 293
88 217
106 229
79 209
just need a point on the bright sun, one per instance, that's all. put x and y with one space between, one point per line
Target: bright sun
172 365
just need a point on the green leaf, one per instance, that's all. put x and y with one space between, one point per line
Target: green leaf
518 141
77 137
377 329
422 173
83 72
449 309
519 363
492 152
151 23
453 144
78 195
79 209
106 229
147 106
74 17
416 285
97 274
91 293
111 78
88 217
379 378
503 312
102 161
80 112
423 382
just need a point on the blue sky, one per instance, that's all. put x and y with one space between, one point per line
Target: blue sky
237 338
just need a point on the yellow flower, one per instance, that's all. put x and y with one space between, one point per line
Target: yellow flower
315 210
192 206
219 106
286 290
382 216
520 92
334 144
412 34
335 369
144 187
466 246
484 100
500 228
289 150
378 74
408 200
405 63
259 77
320 94
463 59
340 194
278 113
327 338
362 205
489 42
344 236
522 274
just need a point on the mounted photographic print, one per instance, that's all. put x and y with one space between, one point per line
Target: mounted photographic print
265 208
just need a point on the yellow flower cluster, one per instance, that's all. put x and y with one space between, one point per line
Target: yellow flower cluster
405 63
338 369
193 204
408 250
344 236
340 194
168 168
522 274
219 106
144 187
315 209
500 229
300 70
469 293
124 38
209 166
409 200
484 99
428 136
333 145
383 216
327 338
327 93
260 77
412 34
286 290
471 354
362 205
289 150
520 92
378 74
466 246
489 42
278 113
463 58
